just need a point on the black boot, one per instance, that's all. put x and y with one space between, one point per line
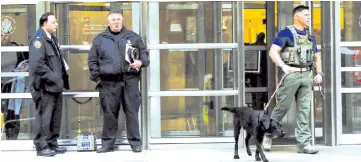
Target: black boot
46 152
59 150
105 149
137 148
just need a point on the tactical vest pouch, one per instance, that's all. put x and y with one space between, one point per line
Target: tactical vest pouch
285 57
288 57
291 57
309 56
303 56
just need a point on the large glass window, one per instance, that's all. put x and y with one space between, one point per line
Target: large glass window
182 69
14 18
14 110
80 24
85 22
350 21
254 25
351 113
195 116
183 22
16 29
350 25
193 69
316 21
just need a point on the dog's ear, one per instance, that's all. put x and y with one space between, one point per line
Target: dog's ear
265 120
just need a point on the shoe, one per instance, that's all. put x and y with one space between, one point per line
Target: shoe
59 150
267 143
47 152
308 149
105 149
137 149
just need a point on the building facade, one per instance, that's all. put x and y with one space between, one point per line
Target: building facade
203 55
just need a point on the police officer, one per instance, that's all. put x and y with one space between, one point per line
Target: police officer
47 79
295 52
116 71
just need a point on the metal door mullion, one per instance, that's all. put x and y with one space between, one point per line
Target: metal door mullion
217 24
200 24
240 58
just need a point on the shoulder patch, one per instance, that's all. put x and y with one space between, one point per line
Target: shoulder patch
37 44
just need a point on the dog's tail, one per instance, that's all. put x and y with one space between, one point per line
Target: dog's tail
230 109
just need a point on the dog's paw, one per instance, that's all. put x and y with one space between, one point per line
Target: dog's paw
265 160
249 152
236 157
258 158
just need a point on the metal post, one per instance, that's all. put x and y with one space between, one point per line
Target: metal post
201 66
145 122
271 69
218 63
240 58
329 69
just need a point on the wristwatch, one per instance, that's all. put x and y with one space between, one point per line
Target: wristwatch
321 73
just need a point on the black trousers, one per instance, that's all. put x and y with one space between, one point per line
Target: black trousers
48 118
112 94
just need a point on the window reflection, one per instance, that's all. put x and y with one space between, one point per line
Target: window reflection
351 24
86 21
351 113
183 22
195 116
13 20
14 129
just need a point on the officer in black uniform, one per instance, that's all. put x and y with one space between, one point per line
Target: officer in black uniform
47 80
116 70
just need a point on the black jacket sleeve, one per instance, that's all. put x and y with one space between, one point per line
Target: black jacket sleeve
37 61
143 52
93 62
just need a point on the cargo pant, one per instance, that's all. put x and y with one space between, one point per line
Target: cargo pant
296 86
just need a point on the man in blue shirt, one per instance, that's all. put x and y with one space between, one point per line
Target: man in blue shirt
295 52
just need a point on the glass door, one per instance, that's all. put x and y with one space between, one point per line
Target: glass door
349 130
193 59
79 24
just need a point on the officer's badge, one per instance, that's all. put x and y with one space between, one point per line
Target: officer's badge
37 44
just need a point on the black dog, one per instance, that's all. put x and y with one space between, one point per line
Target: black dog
256 124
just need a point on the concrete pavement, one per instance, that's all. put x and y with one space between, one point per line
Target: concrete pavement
278 154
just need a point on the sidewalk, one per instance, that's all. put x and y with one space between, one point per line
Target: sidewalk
278 154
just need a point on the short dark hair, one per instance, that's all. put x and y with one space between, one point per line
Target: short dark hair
300 8
44 18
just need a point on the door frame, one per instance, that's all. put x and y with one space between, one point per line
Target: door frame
343 138
154 92
64 41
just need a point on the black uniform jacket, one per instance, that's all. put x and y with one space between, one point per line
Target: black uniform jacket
107 55
47 69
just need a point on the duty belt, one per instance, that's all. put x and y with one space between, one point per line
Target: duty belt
301 68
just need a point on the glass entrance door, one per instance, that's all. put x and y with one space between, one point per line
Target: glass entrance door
79 24
349 110
192 48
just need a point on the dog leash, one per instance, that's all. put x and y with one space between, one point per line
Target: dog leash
274 93
281 81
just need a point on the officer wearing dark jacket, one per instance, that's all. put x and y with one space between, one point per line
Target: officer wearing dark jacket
115 67
47 79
